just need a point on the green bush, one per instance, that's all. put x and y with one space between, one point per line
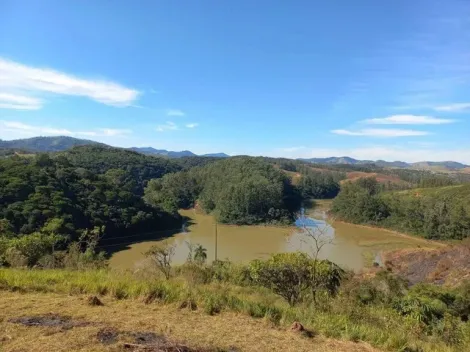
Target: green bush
295 276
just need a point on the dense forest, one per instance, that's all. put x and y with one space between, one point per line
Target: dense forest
240 190
435 213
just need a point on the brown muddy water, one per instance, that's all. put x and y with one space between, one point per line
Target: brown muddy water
351 246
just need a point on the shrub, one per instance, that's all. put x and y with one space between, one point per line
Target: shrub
294 275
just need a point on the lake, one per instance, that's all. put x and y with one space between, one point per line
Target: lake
352 246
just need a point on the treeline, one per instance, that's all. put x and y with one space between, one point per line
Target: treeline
239 190
435 213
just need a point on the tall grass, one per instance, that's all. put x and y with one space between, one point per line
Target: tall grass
339 318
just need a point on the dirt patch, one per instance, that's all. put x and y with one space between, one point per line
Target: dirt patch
108 336
49 320
151 342
449 265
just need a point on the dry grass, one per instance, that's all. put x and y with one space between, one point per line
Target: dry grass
194 328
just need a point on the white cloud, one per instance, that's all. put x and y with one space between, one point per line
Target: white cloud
16 79
19 102
167 127
453 107
192 125
15 129
408 120
175 112
291 149
385 133
387 153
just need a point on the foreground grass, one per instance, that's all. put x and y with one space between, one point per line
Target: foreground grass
227 332
380 326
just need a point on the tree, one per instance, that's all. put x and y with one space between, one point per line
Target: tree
200 254
162 255
317 238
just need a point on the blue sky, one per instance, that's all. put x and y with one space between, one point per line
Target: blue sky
368 79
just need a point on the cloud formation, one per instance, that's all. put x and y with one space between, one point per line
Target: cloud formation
168 126
408 120
16 129
175 113
382 133
20 85
192 125
457 107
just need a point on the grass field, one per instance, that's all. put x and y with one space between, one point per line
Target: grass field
223 332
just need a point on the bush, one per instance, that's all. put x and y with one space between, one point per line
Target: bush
295 276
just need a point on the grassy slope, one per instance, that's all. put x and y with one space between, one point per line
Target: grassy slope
459 193
382 327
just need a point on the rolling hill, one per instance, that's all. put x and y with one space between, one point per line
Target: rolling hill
46 144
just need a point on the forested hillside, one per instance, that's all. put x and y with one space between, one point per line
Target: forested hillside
87 187
435 213
138 168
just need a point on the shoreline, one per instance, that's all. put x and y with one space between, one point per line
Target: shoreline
401 234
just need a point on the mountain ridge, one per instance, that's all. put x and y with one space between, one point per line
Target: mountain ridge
424 165
61 143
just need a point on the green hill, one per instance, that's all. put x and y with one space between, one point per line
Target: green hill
46 144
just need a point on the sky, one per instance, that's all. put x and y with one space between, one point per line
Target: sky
367 79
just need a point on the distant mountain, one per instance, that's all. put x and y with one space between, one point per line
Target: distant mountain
216 155
168 153
439 165
423 165
46 144
338 160
172 154
399 164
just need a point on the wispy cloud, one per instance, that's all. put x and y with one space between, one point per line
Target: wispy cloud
382 133
192 125
453 107
20 85
175 113
408 120
167 127
19 102
16 129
